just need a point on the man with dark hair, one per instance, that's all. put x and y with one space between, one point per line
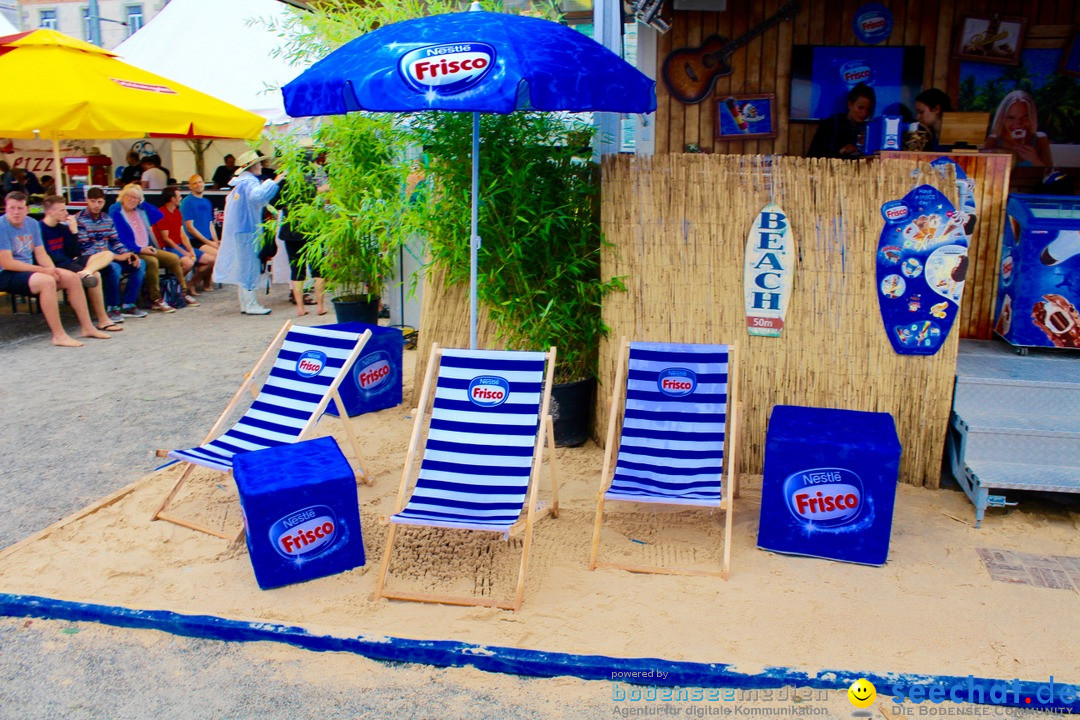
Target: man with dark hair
132 172
59 234
153 177
169 231
25 268
224 173
98 234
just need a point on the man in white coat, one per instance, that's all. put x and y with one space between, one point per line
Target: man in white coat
241 234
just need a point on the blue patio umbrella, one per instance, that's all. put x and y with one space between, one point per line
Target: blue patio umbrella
478 62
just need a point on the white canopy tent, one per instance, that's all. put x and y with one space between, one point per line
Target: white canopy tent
6 28
224 49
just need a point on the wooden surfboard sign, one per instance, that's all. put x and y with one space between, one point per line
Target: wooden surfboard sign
921 267
768 272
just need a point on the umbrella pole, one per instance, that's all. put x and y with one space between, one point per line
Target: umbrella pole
61 188
474 238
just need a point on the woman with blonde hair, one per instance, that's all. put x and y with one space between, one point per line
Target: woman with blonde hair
134 219
1016 129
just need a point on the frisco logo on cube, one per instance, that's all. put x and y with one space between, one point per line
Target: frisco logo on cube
447 69
855 72
373 371
677 382
310 363
488 391
307 533
825 497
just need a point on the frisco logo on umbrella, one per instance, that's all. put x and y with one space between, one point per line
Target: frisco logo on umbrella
447 69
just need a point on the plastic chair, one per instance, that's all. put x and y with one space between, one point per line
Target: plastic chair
675 427
309 366
482 458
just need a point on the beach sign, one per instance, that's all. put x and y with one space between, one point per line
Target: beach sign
921 266
769 271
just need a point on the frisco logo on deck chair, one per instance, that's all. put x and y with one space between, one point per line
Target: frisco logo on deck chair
488 391
308 532
373 371
447 69
677 382
310 363
826 497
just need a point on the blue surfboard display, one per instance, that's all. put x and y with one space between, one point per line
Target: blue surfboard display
921 266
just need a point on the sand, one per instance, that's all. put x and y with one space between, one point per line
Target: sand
933 608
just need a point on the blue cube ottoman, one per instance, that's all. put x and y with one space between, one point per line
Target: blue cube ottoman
829 483
301 512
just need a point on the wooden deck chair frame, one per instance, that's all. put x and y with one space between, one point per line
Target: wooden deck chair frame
545 434
729 488
248 385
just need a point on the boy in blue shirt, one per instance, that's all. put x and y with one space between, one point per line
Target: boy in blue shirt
26 268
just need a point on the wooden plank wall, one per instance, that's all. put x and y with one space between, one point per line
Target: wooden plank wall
678 243
764 65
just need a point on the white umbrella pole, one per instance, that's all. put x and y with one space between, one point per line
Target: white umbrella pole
58 170
474 238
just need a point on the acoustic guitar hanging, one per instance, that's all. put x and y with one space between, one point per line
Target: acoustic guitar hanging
691 73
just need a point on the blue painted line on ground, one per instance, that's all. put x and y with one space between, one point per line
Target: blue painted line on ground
515 661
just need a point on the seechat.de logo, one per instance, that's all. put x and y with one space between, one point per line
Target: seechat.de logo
447 69
677 382
305 533
895 211
488 391
310 363
373 371
826 497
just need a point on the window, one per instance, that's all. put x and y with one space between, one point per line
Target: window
47 19
134 19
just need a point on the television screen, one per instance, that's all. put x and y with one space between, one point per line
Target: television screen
821 77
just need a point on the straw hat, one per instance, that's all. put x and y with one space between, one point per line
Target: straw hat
247 160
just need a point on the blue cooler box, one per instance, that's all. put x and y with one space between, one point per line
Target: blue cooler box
829 484
301 512
1039 278
375 380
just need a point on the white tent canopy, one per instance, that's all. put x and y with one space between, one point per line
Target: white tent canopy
6 28
219 47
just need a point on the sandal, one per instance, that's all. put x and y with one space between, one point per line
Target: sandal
89 281
111 327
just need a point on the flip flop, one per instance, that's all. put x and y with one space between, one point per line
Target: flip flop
89 281
111 327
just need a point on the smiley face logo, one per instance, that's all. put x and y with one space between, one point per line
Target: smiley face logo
862 693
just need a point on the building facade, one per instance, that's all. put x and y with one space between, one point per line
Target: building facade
117 19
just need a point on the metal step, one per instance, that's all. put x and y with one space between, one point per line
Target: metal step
1019 419
1012 445
1025 476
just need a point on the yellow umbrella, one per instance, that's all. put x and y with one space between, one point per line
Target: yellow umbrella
57 87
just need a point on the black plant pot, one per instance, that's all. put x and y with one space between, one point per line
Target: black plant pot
571 409
355 308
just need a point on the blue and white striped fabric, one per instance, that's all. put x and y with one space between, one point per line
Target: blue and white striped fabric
672 444
479 451
307 364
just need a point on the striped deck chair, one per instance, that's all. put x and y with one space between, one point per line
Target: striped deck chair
481 462
680 411
309 366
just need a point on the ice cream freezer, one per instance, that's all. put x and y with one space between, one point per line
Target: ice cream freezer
1039 277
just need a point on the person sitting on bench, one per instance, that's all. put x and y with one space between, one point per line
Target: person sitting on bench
60 234
26 269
